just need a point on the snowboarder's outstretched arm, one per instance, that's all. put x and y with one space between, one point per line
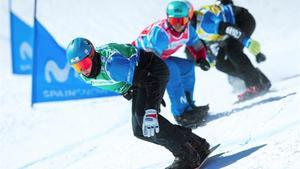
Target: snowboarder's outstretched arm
213 23
236 33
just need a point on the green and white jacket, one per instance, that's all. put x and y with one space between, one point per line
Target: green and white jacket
118 62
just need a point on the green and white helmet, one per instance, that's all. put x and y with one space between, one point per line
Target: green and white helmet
177 9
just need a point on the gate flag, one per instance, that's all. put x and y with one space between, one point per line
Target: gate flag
21 45
53 78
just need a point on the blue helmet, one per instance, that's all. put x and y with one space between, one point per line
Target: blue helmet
78 49
177 9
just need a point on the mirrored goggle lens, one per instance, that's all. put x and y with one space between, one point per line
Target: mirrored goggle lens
83 64
180 21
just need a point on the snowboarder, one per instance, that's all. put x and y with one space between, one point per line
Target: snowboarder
142 76
164 38
226 30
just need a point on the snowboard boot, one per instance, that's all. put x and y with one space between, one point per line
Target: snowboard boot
259 89
188 119
202 109
203 113
187 159
193 118
251 92
264 82
200 145
192 103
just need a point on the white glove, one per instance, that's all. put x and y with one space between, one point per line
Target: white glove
150 123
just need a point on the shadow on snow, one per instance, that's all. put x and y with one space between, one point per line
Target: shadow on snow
223 161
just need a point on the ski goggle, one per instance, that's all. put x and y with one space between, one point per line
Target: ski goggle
84 64
176 21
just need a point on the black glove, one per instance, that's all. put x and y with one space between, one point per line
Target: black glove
129 94
260 57
204 65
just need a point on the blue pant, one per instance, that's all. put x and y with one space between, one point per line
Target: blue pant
181 80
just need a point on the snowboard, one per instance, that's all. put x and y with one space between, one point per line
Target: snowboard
209 157
253 97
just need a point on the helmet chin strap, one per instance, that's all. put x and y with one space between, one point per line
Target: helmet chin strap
96 66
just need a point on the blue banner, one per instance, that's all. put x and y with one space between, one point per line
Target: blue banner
21 45
53 78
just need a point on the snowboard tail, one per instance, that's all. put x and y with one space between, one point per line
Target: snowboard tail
209 155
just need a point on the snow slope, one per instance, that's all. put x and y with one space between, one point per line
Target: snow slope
262 133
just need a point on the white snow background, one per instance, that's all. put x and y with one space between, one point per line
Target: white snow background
263 133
